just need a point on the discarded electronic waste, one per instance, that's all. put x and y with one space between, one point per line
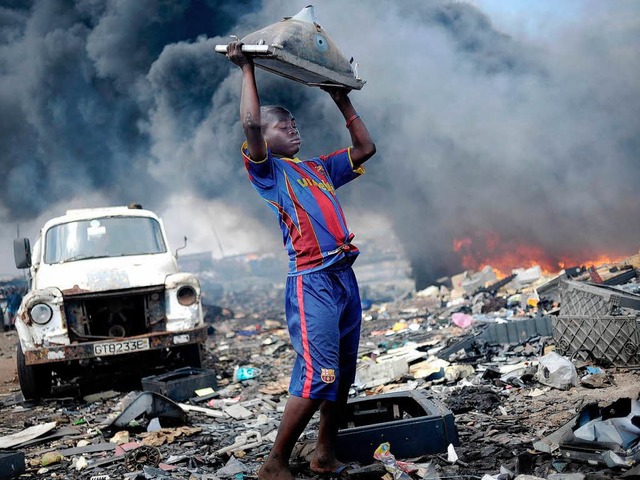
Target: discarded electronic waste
411 422
298 48
181 384
609 435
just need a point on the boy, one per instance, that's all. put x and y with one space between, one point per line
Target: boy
322 300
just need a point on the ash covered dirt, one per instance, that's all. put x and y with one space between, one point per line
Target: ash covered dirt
497 423
8 371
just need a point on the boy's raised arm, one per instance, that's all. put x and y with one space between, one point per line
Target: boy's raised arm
249 102
363 147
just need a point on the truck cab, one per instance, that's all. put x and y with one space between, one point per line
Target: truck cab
105 295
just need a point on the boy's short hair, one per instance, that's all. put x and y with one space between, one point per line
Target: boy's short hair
270 113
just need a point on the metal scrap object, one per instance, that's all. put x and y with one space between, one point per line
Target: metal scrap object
150 405
298 48
243 441
142 456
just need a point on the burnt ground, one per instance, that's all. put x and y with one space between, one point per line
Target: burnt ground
497 421
8 372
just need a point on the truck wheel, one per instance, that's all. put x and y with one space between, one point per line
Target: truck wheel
35 380
190 355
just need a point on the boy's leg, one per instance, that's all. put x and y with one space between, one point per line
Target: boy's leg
304 310
325 460
296 415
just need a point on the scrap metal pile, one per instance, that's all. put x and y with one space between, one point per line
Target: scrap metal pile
524 377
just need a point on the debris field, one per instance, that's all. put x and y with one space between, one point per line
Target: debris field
528 376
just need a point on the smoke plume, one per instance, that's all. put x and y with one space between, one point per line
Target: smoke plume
502 140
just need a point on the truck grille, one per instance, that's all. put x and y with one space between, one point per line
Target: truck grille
117 314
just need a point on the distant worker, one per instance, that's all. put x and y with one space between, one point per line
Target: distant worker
322 300
5 321
14 299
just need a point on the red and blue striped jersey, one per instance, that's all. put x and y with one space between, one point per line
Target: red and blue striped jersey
302 195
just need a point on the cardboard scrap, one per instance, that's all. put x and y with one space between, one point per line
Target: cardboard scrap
26 435
167 435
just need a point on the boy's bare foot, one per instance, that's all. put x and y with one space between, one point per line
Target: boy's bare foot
333 466
272 470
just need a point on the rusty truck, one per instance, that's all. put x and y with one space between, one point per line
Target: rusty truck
105 298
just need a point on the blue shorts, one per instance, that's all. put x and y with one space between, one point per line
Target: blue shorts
323 315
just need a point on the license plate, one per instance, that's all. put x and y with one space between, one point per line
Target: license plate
116 348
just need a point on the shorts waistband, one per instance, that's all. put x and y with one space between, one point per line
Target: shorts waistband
341 265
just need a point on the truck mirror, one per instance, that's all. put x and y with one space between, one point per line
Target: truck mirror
22 252
182 247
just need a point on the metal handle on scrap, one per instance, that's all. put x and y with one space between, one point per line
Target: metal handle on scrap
244 441
254 49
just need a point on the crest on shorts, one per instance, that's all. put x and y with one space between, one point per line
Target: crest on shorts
328 375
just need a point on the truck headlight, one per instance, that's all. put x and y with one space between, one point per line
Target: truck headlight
41 313
187 295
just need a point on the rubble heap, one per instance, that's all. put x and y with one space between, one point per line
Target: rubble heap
524 383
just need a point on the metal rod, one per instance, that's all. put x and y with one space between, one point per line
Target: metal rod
245 48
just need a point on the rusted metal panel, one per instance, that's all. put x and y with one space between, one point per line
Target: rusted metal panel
84 294
82 351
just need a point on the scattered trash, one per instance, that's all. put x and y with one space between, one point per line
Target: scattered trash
101 396
452 456
618 424
469 401
180 384
148 405
120 437
414 423
167 435
557 371
18 438
79 463
232 468
384 455
245 373
142 456
12 464
372 374
50 458
246 440
462 320
601 436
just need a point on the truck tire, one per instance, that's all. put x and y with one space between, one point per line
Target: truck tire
35 380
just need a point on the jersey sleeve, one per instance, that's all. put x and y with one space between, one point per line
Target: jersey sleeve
260 172
340 167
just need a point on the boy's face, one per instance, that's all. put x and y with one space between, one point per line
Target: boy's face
282 136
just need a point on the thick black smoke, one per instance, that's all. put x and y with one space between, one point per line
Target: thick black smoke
480 134
82 83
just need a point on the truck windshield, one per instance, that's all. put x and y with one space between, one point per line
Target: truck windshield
103 237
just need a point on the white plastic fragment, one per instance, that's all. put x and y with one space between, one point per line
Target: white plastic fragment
452 456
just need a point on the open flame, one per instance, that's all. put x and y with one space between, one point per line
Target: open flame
488 249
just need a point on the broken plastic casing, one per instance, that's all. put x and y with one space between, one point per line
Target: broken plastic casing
299 49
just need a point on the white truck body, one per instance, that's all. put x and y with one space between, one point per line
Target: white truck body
104 284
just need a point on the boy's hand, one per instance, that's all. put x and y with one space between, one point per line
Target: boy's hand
338 94
234 53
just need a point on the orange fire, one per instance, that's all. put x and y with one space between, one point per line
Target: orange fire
503 256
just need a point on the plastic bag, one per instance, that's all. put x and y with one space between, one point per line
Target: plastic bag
383 453
556 371
462 320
